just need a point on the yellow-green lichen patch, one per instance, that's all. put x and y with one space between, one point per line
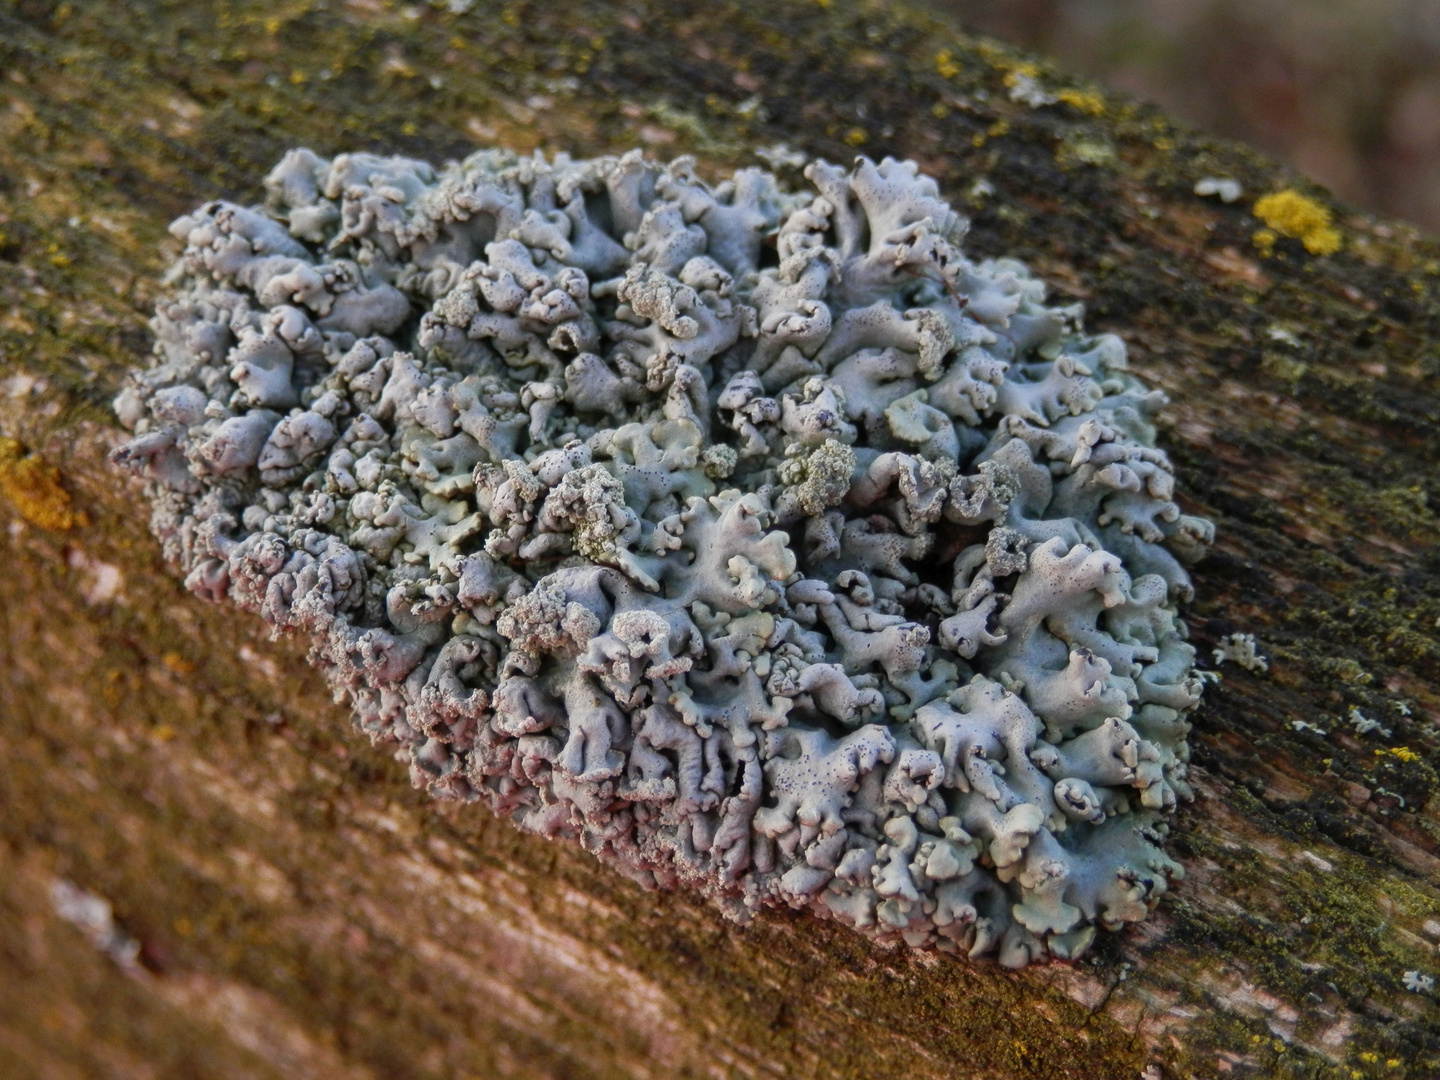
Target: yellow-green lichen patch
1289 213
32 486
1088 102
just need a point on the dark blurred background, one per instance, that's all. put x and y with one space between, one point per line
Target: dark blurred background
1348 91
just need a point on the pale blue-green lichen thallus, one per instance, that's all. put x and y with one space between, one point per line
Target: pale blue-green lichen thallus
758 540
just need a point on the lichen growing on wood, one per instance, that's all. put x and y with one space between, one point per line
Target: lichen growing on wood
34 487
1314 460
1289 213
757 540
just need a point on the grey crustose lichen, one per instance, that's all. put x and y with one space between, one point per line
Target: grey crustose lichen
758 540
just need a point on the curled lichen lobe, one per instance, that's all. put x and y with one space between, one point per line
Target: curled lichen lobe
755 539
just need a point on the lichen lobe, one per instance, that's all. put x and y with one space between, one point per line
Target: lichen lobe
756 540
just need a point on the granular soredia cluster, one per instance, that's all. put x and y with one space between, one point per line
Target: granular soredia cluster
759 541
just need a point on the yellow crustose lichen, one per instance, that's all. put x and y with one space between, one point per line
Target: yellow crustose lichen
1288 213
1085 101
1403 753
33 487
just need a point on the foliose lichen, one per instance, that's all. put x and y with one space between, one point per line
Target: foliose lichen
756 540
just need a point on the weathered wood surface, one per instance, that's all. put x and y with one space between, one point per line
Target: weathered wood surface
302 913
